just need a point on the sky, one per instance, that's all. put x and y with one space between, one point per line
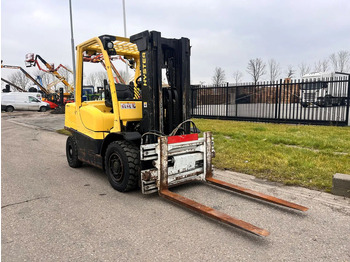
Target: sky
224 34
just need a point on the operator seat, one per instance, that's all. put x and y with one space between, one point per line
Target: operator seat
124 93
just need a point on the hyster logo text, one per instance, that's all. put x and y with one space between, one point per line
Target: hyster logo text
144 69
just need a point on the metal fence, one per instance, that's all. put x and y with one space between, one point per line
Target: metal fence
317 101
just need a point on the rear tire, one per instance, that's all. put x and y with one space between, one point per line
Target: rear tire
72 152
9 109
122 165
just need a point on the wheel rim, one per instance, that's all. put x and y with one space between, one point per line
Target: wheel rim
70 152
116 167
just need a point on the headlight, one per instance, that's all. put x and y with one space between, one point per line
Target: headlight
110 45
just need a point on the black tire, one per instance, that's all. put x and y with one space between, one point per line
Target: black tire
122 165
9 109
72 153
43 109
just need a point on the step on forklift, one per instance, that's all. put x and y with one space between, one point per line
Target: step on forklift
141 134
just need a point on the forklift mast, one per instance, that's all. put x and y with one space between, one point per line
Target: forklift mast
164 107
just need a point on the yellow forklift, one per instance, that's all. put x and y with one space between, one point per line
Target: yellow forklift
141 134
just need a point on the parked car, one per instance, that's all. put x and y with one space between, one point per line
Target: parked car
51 104
23 101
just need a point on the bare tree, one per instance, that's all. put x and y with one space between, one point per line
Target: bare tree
325 65
274 69
18 78
290 71
237 75
256 68
99 77
3 85
321 65
219 76
96 78
334 60
344 58
90 79
125 75
340 61
304 69
66 74
318 66
48 80
45 77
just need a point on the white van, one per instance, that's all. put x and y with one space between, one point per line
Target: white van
23 101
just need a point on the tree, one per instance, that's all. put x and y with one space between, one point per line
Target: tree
321 65
18 78
90 79
66 74
219 76
340 61
125 75
48 80
100 76
256 68
237 75
290 71
96 78
274 70
304 69
3 85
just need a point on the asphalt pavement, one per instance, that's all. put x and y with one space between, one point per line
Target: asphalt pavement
51 212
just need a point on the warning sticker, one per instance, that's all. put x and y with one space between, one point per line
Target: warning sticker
128 105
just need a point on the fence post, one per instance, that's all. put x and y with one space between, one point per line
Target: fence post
236 93
227 100
191 101
348 103
276 99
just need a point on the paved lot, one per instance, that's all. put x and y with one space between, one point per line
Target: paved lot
51 212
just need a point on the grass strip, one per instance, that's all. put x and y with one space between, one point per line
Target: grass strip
299 155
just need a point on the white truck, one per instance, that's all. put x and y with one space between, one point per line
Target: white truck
22 101
324 89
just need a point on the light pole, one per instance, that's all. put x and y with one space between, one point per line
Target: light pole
124 17
72 40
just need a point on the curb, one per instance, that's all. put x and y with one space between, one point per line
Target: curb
341 185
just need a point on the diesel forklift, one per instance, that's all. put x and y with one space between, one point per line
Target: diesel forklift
141 134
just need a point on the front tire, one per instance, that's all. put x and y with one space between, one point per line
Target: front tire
72 153
122 165
43 109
